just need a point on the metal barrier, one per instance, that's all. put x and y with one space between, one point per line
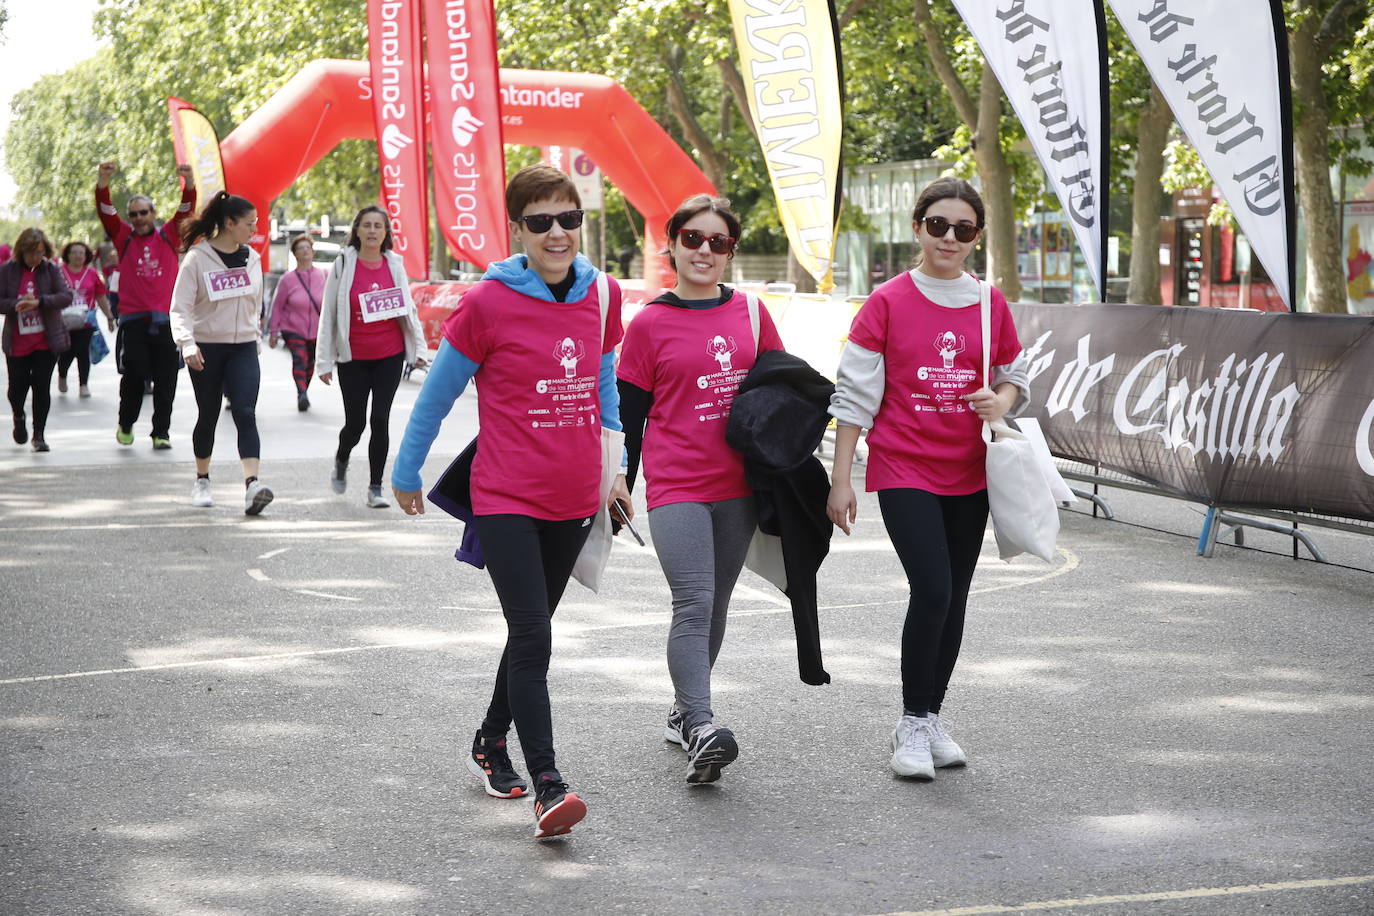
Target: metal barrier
1218 522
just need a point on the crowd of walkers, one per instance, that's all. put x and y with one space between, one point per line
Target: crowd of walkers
559 376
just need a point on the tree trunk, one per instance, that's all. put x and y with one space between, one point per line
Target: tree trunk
1152 135
1312 130
713 160
998 199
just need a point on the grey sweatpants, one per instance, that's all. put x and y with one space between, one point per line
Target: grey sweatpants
701 547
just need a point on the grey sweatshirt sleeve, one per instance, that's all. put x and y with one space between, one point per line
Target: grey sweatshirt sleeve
1018 374
862 376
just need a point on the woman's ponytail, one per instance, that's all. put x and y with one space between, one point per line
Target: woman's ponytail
222 207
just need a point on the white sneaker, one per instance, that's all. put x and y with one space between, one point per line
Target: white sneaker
256 497
200 494
375 499
911 748
944 750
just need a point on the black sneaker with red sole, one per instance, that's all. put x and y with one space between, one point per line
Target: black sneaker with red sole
556 810
490 763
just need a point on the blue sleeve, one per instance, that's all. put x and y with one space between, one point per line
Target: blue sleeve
610 394
448 375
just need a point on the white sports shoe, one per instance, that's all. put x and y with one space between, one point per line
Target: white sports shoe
256 497
375 499
911 748
200 494
944 750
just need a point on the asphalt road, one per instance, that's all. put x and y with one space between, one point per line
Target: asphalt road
202 713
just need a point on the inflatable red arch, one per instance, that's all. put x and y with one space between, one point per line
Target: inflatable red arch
330 101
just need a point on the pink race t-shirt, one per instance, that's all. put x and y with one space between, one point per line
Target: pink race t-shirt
925 435
29 336
692 361
372 339
538 408
86 285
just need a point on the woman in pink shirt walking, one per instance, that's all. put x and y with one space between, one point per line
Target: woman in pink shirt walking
684 358
296 315
911 375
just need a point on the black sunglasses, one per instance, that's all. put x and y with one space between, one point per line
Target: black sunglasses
720 243
140 212
938 226
539 223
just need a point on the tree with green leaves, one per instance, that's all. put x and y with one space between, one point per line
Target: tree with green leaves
225 59
1331 49
977 97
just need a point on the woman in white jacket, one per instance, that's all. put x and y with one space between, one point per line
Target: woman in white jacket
369 330
216 306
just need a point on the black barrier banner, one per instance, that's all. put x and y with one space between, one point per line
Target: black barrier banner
1225 407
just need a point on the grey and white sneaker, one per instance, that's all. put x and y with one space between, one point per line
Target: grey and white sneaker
256 497
200 494
339 478
712 747
911 748
944 750
672 732
375 499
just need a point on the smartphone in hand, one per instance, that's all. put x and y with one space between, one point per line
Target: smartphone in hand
625 520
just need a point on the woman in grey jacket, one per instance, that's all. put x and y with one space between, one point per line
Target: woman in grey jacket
369 330
32 296
216 305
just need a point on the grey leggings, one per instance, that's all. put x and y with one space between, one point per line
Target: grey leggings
701 547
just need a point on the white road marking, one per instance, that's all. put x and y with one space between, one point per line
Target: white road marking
1071 563
238 660
1159 896
274 553
315 594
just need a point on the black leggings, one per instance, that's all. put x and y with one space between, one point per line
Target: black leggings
231 370
80 351
938 539
31 373
529 560
359 378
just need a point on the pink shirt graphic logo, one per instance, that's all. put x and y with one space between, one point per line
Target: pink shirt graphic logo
226 283
944 383
382 304
568 353
721 348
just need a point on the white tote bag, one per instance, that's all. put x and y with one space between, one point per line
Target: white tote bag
1025 518
591 562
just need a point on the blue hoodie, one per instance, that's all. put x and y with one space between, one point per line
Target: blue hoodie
451 371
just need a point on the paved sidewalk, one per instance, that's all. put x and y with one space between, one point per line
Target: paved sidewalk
204 713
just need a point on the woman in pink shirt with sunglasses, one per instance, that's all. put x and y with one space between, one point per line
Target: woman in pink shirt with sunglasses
682 363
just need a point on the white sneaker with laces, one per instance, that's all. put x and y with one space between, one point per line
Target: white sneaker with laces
256 497
200 494
944 750
911 748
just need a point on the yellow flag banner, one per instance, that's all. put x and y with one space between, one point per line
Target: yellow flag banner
197 145
790 60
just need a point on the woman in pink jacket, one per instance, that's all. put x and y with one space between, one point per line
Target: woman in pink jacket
296 315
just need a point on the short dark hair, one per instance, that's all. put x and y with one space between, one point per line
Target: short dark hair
538 182
77 243
32 238
945 188
355 242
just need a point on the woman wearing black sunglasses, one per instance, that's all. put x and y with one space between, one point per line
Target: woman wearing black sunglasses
910 375
539 339
682 363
